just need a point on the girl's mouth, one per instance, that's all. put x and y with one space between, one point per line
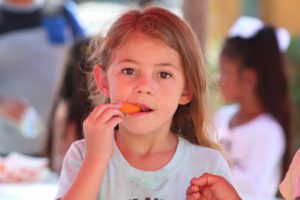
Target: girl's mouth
145 109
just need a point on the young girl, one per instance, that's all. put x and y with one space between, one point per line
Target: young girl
255 130
151 59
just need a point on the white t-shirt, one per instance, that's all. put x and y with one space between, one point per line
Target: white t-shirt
124 182
254 150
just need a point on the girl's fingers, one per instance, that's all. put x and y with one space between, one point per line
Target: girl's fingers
192 189
99 109
189 190
107 114
113 122
108 119
205 180
192 193
194 196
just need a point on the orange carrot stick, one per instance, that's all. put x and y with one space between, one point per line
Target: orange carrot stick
130 108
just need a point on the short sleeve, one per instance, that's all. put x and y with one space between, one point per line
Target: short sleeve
223 169
71 165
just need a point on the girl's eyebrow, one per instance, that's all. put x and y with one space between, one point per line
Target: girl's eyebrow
163 64
167 65
128 60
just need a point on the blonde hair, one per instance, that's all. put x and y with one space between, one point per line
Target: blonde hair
189 120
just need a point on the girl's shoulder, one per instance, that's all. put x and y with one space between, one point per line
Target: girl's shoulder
78 144
266 126
224 114
77 150
227 110
263 126
267 120
206 159
198 151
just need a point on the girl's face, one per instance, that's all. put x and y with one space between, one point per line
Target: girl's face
229 80
147 72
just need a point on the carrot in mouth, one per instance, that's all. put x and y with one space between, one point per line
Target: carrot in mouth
130 108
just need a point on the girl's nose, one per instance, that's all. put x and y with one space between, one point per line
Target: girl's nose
144 85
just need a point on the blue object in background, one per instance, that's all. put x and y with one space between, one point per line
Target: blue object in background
56 29
70 12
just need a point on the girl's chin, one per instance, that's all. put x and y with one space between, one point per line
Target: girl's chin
142 130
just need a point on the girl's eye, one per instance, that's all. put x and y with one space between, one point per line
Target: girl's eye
164 75
128 71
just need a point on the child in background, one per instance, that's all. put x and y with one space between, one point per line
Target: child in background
255 130
72 106
151 59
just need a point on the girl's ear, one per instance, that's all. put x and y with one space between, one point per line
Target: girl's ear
186 96
101 80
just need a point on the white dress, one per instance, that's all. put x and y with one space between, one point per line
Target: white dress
254 151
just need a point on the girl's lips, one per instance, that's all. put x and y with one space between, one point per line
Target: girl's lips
139 114
144 108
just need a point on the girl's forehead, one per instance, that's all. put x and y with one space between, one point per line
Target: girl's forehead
138 36
141 41
145 50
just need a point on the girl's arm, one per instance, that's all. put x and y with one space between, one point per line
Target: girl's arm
88 180
98 130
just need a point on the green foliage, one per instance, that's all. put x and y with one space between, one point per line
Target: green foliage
293 54
294 50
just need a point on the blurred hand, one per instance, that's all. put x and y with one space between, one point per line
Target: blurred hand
211 187
98 129
290 186
12 109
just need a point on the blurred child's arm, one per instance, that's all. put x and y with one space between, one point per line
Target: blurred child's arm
290 186
209 186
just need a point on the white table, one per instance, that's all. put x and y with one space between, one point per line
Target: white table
43 189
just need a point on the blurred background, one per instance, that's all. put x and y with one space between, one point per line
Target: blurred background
211 19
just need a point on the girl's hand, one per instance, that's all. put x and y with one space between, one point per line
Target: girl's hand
98 130
211 187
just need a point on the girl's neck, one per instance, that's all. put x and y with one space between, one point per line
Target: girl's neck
249 109
147 152
144 144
